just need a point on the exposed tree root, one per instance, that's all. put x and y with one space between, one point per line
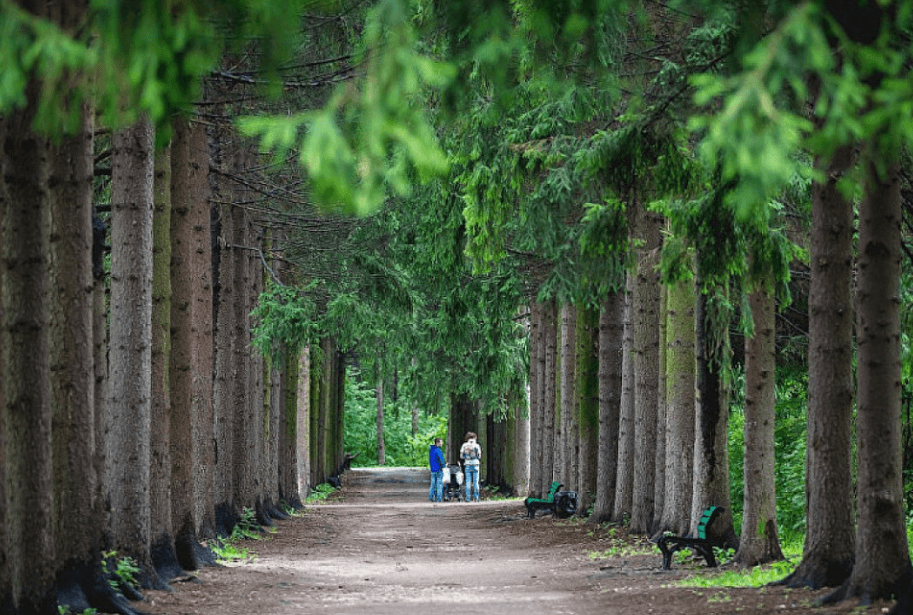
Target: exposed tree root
226 519
204 555
84 587
165 560
185 550
816 573
852 589
6 604
904 604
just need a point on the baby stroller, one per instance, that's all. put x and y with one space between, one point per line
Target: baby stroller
453 482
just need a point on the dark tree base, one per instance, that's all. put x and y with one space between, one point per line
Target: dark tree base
165 560
226 519
849 589
205 556
817 574
83 587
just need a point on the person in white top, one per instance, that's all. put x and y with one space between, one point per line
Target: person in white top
471 454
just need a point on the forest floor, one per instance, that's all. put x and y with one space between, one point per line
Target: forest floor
380 547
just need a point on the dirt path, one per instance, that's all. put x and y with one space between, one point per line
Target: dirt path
383 548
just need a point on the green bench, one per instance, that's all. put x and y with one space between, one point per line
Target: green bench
562 504
702 544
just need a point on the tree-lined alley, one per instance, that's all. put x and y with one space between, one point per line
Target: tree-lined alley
609 237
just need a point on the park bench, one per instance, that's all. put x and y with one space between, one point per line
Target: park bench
562 504
701 544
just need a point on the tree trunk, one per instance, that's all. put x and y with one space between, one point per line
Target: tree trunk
25 371
882 567
611 332
760 543
196 172
662 436
315 430
830 540
645 308
624 484
303 417
6 562
381 450
78 529
164 556
182 367
258 379
288 432
244 446
520 436
680 362
275 423
550 389
130 355
711 453
566 445
225 373
536 358
587 404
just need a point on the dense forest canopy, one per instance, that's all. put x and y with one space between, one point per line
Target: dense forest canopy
657 251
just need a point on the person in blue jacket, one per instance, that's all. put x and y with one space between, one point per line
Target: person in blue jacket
436 463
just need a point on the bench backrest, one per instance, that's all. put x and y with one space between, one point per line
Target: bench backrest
554 489
710 513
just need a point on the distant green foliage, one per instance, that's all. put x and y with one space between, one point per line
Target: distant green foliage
402 448
789 445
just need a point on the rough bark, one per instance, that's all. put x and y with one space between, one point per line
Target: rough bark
624 484
256 370
711 456
587 404
25 368
182 348
244 457
659 481
611 332
566 444
225 373
882 568
379 426
680 363
645 309
78 533
130 354
164 557
196 174
550 389
288 433
830 539
760 543
536 357
273 422
6 561
520 436
303 444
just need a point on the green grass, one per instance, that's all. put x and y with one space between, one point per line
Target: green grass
757 576
121 571
228 551
320 493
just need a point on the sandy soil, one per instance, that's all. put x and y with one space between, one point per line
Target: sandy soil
382 548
